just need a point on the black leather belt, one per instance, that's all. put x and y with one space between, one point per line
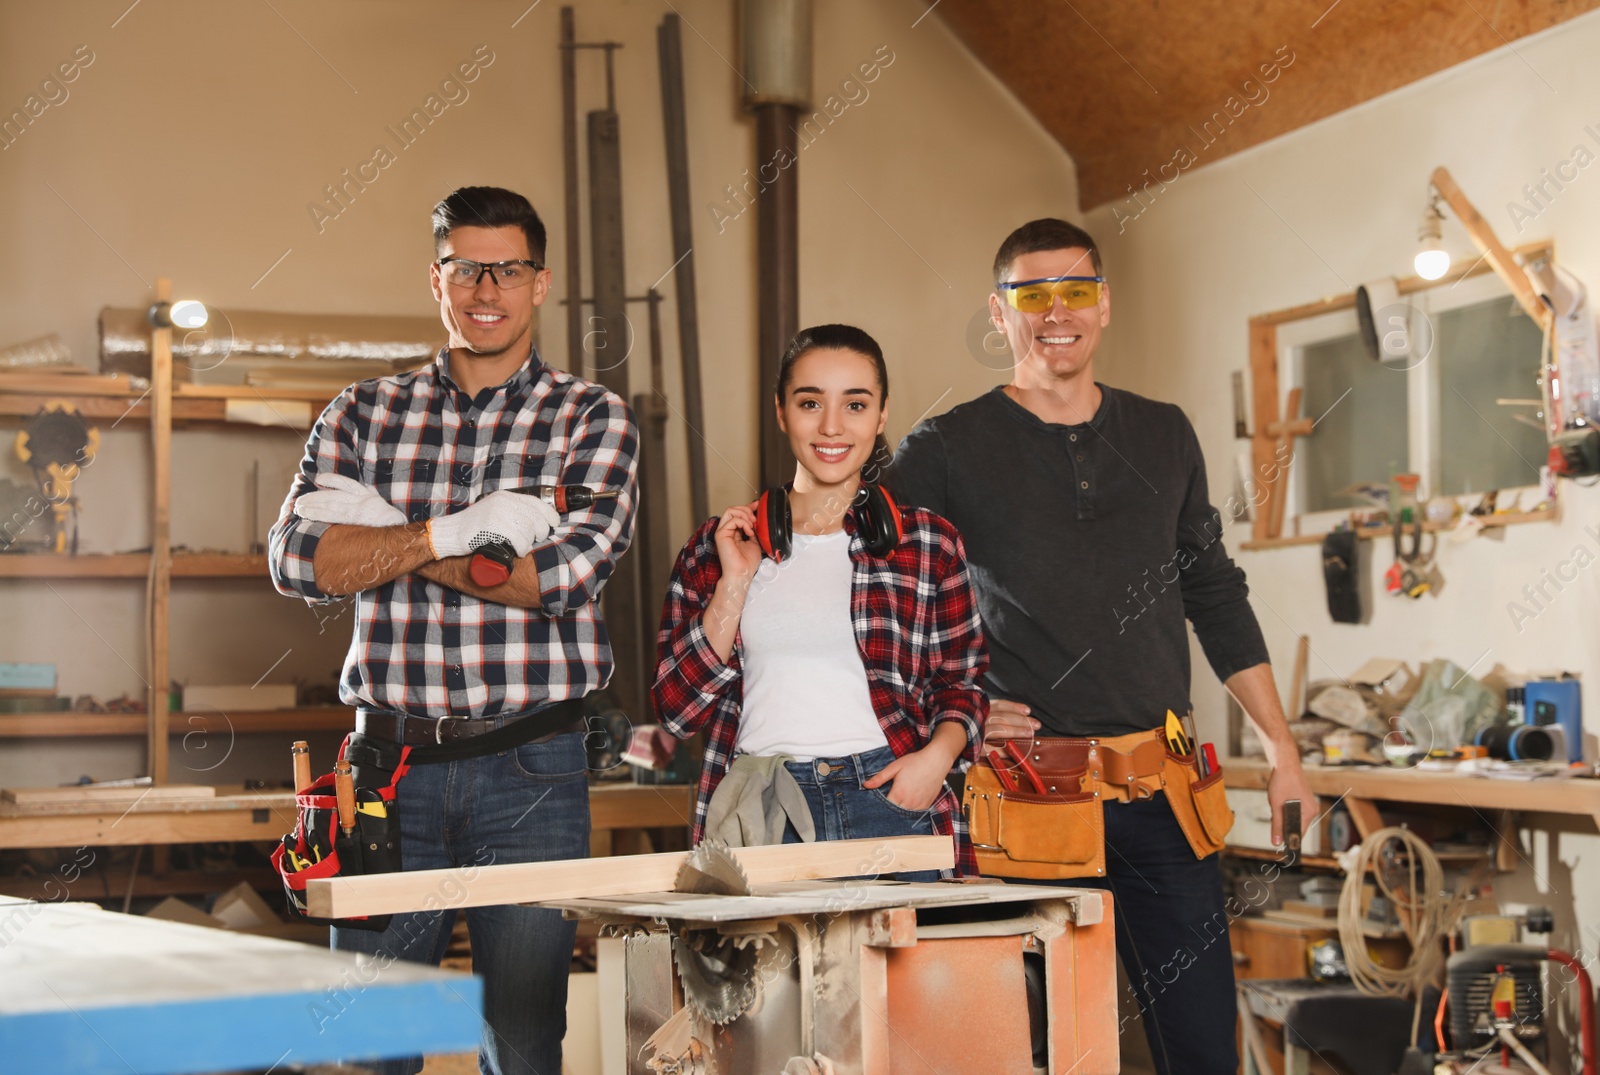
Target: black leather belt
452 738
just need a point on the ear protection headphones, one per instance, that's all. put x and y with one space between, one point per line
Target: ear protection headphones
877 520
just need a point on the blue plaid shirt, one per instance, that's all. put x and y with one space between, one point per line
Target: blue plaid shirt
423 649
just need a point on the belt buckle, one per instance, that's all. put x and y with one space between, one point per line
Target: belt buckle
438 731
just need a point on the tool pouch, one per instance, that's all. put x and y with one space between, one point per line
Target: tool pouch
319 848
1199 803
1029 816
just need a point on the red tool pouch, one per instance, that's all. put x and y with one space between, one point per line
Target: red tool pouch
318 847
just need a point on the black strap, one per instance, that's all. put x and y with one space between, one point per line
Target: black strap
548 721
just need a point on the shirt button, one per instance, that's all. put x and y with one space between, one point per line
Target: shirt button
1083 485
1072 436
1080 457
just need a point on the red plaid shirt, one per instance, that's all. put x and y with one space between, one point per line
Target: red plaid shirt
916 623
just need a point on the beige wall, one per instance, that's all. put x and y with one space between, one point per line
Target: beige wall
196 141
1311 214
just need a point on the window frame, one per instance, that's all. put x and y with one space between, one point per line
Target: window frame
1272 493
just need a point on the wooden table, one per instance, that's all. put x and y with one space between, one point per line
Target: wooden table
91 992
236 814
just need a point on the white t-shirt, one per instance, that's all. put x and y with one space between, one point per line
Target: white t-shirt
805 686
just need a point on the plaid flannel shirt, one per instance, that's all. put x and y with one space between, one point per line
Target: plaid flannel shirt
424 649
916 623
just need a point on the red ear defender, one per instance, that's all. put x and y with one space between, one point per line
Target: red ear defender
879 521
773 523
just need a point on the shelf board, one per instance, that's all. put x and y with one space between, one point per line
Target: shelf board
1323 862
113 399
1369 533
70 725
132 565
1553 795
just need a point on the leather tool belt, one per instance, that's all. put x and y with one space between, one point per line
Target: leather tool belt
1038 810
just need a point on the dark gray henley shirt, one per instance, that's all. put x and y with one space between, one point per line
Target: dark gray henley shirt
1088 545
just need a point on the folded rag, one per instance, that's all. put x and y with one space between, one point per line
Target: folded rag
756 796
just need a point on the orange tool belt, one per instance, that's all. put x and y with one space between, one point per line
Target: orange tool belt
1038 810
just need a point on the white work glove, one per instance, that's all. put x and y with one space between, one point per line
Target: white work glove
344 500
518 519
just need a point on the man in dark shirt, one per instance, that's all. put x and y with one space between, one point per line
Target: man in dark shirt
1091 538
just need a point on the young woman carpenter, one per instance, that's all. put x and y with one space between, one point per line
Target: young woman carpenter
825 631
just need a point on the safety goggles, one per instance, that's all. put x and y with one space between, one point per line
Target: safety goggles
463 272
1037 296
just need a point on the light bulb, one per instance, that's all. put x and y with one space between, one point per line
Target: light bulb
189 313
1431 261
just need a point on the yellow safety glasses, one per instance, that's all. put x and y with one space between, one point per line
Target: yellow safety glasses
1037 296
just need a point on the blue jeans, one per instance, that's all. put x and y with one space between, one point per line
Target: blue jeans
526 804
842 809
1172 937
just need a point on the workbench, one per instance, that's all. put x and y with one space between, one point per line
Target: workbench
236 814
91 992
1357 786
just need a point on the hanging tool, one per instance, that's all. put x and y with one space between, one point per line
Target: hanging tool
302 765
493 563
57 444
344 789
1413 572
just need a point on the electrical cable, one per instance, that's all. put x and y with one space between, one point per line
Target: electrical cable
1426 911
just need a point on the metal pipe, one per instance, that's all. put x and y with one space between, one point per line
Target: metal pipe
778 261
669 45
777 77
569 160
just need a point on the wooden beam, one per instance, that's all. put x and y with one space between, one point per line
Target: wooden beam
531 882
1365 814
1264 408
1285 430
159 610
1408 285
1488 244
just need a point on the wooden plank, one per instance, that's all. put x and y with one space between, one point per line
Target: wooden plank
104 796
159 624
118 828
121 565
1264 411
1409 285
488 886
1383 533
73 725
1488 243
1286 431
131 565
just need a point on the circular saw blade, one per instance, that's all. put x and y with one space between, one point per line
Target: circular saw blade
712 870
717 972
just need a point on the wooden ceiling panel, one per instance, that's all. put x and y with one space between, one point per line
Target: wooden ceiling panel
1132 87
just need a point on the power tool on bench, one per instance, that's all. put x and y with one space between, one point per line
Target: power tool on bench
492 563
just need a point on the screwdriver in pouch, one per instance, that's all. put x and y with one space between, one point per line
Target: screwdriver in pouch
492 564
